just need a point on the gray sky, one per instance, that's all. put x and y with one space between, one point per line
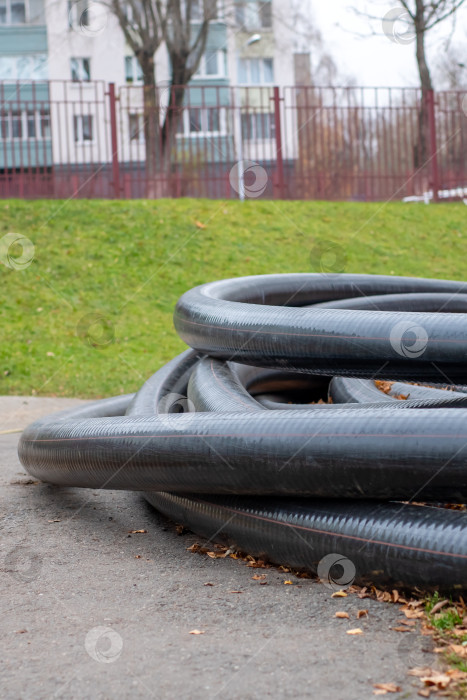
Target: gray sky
377 60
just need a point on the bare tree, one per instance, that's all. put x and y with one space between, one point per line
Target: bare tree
451 69
419 18
299 20
424 15
182 26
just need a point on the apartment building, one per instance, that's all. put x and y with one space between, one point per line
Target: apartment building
58 57
24 107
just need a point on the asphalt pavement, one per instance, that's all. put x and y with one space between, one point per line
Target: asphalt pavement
90 610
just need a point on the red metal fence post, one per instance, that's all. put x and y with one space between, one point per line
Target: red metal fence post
279 158
114 140
430 100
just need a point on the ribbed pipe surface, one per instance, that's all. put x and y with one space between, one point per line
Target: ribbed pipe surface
272 434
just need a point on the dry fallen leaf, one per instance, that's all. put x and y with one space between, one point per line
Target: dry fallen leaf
384 596
456 674
432 678
342 615
424 692
137 532
400 629
386 688
339 594
419 671
357 630
235 591
209 584
383 386
459 650
439 680
258 577
196 632
413 614
288 583
362 592
362 613
260 564
137 556
199 224
438 606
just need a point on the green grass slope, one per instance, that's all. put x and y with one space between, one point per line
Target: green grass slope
91 316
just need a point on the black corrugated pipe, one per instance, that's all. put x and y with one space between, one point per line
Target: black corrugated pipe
271 433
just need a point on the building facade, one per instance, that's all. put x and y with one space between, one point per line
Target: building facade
57 59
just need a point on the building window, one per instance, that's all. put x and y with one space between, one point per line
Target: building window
253 14
256 71
80 13
202 121
82 128
212 65
4 125
195 120
16 125
12 12
258 126
80 70
27 67
198 8
133 70
45 124
22 124
31 125
136 127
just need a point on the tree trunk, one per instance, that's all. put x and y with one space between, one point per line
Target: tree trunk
421 151
157 184
174 109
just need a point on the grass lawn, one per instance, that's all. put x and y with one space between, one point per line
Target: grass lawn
92 315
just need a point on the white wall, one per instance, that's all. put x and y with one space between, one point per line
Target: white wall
102 41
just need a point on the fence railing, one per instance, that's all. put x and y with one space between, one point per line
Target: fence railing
92 139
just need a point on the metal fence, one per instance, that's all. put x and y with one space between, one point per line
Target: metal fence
91 139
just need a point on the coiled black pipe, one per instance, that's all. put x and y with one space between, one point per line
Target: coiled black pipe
305 479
